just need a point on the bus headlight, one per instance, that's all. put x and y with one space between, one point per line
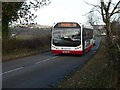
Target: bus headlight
78 47
53 47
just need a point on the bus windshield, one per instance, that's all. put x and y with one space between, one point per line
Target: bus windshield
66 37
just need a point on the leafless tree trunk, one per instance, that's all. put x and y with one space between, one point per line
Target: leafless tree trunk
107 15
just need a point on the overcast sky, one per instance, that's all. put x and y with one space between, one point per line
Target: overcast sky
64 10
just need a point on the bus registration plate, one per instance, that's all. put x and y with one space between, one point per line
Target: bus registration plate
66 51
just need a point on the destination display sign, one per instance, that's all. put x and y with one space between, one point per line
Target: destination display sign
66 24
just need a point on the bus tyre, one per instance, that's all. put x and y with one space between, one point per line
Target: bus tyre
83 52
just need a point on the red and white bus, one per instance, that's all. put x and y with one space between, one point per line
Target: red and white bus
71 38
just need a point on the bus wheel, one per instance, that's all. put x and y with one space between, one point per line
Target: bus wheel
83 52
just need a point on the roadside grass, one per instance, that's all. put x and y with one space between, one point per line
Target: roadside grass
15 48
96 73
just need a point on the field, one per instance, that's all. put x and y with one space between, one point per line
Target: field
25 41
29 33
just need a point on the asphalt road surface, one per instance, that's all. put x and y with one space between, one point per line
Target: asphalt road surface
43 70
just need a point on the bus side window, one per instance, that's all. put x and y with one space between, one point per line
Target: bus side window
84 34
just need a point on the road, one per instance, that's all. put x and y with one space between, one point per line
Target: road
42 70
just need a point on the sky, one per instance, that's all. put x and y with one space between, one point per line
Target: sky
64 10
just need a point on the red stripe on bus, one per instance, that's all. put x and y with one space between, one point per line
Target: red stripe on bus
66 52
88 48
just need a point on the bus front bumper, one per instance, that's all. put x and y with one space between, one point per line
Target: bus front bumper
66 52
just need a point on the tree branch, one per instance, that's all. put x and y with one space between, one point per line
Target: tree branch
91 4
116 12
102 11
88 13
109 3
112 13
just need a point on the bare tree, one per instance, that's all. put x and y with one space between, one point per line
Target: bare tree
107 14
107 10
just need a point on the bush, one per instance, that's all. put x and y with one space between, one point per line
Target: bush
113 56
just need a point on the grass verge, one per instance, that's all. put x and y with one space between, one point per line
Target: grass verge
97 73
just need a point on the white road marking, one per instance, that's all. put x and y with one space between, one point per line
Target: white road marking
23 67
46 60
11 70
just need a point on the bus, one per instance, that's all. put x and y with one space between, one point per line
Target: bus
71 38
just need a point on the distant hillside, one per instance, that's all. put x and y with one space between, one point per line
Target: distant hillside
31 26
